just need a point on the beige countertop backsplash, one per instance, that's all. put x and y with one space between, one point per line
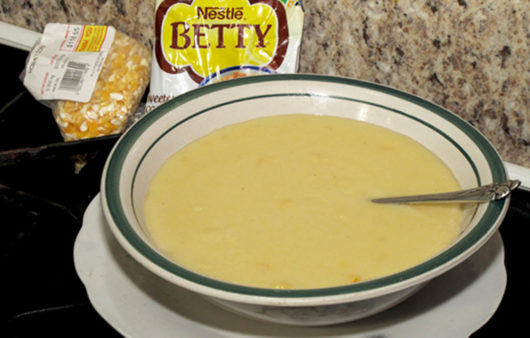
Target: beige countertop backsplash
469 56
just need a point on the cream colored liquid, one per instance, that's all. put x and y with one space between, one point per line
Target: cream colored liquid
284 202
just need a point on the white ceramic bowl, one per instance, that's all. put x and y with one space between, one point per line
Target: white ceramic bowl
147 144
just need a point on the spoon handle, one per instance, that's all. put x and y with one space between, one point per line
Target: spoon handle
486 193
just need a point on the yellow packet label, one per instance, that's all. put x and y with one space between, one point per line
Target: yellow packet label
231 33
92 38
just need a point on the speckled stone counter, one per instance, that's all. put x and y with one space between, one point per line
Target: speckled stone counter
471 57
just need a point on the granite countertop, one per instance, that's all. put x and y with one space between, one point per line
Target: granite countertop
471 57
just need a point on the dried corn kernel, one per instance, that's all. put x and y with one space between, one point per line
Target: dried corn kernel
354 279
117 94
283 286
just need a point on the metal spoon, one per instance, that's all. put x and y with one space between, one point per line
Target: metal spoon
486 193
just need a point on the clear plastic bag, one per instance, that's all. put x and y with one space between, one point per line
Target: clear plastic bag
123 78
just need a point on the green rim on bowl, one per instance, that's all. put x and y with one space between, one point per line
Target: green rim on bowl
111 182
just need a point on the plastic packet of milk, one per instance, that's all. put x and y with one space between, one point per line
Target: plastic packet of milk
203 41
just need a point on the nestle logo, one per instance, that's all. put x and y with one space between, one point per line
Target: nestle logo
220 13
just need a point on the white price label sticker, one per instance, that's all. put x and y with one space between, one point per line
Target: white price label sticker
65 63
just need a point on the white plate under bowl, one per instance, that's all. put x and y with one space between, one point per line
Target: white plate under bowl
137 303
